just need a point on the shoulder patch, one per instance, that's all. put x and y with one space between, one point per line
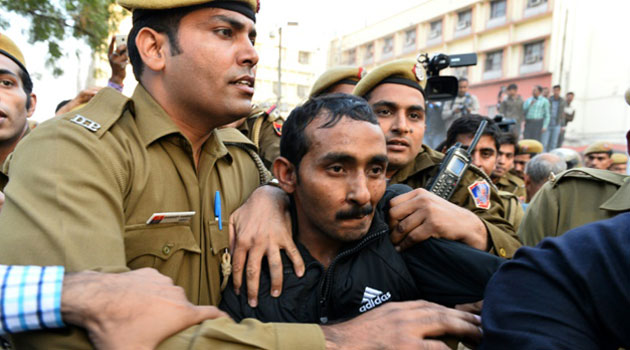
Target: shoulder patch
277 127
480 192
86 123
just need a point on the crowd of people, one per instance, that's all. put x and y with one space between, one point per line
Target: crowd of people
184 217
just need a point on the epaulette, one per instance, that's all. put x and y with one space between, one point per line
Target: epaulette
590 174
482 175
234 138
507 195
103 110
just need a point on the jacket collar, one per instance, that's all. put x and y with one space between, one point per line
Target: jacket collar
426 158
620 201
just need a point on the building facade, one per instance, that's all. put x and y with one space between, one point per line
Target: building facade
526 42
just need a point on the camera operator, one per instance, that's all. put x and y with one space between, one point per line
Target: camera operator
462 105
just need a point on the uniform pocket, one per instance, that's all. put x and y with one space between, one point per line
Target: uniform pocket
163 247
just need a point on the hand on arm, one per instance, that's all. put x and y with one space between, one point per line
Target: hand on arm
262 227
83 97
420 214
131 310
408 325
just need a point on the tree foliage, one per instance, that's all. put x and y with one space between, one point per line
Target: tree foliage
52 21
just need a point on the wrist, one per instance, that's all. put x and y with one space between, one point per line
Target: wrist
478 236
75 308
332 337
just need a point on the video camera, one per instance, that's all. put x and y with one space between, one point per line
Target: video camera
443 88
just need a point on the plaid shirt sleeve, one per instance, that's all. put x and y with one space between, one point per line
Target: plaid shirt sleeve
30 298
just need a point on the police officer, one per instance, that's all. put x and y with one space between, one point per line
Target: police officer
397 97
17 100
502 176
527 149
598 155
263 127
619 163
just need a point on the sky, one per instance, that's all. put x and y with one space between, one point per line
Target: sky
325 19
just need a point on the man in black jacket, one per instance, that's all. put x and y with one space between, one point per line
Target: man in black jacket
333 162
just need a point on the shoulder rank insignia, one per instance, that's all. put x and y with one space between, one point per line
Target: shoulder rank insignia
86 123
480 191
277 127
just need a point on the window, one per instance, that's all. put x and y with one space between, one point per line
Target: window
493 65
388 47
304 57
497 9
351 56
410 40
535 3
497 13
533 57
368 56
302 91
435 32
464 20
535 7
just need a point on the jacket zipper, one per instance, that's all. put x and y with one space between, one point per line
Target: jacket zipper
326 285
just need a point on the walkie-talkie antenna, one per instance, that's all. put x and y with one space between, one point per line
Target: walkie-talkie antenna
478 134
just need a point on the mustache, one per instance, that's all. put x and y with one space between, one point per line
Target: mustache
355 212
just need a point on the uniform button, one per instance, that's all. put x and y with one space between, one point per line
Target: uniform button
166 250
502 253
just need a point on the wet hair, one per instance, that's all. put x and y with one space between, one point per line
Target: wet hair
468 125
294 143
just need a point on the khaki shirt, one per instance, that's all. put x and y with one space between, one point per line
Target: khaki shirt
4 177
97 188
264 131
575 198
513 209
502 237
513 184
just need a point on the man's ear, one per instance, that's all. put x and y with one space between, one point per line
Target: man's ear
152 48
286 174
31 109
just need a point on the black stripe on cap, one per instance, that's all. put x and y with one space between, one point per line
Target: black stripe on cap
402 81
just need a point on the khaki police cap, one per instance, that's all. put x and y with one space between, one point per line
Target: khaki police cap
529 146
337 75
619 158
405 71
9 49
599 147
170 4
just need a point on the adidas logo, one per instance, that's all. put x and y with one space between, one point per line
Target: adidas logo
373 298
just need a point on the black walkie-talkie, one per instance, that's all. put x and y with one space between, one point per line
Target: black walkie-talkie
454 165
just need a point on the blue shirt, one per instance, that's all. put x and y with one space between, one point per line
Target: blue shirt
30 298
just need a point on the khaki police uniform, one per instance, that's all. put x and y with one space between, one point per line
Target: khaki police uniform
103 172
513 209
501 234
574 198
512 184
264 130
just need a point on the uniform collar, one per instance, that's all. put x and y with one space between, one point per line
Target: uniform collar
620 201
426 158
154 123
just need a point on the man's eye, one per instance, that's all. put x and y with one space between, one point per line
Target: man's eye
376 170
416 116
335 168
226 32
6 82
383 112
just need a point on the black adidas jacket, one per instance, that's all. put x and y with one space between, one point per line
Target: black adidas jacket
367 274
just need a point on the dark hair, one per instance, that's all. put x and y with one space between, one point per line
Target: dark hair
61 104
27 86
468 126
570 93
512 87
556 86
294 143
462 79
539 88
508 138
162 21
